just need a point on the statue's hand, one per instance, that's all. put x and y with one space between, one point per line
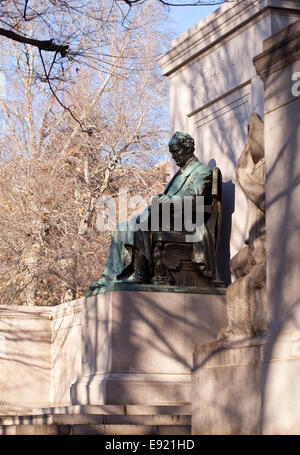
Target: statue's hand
93 286
102 282
163 199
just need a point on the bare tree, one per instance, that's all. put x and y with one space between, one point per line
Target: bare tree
59 20
69 28
52 172
131 3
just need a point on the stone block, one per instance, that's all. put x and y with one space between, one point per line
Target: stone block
226 383
137 346
25 355
39 354
247 386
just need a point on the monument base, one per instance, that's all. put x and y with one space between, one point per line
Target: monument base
247 386
128 389
137 345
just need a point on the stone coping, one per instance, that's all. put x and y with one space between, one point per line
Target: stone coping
76 306
252 350
280 50
137 377
286 34
218 290
41 312
9 311
217 26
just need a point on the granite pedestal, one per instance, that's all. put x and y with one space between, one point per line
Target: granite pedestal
136 346
247 386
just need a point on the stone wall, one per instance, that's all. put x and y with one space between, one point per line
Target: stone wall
40 354
25 355
137 346
249 385
130 347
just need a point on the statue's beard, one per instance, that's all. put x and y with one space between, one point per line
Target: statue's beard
184 163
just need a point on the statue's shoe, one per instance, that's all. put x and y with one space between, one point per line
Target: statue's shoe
104 281
133 279
99 284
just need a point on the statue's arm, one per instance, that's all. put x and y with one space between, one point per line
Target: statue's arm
200 186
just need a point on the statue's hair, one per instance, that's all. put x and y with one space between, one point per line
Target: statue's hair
184 139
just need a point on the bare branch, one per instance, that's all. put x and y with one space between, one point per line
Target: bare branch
25 10
47 74
176 3
42 45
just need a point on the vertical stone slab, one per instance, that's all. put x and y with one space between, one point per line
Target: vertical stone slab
96 334
226 384
249 386
137 345
40 354
25 356
65 349
276 66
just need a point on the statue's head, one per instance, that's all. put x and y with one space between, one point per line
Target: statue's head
182 147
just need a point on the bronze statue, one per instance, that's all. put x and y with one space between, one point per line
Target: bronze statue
144 257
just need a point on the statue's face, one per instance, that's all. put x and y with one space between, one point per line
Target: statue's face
180 154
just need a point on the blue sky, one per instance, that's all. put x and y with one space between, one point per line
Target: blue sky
2 84
185 17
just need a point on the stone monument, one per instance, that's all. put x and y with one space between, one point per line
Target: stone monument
158 296
214 88
135 347
129 346
171 250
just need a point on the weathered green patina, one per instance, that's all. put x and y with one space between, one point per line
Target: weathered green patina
130 255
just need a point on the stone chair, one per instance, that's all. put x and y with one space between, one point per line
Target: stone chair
172 253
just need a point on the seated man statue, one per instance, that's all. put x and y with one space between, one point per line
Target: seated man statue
131 253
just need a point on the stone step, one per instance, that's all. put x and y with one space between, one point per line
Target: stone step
77 419
11 410
85 429
97 419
